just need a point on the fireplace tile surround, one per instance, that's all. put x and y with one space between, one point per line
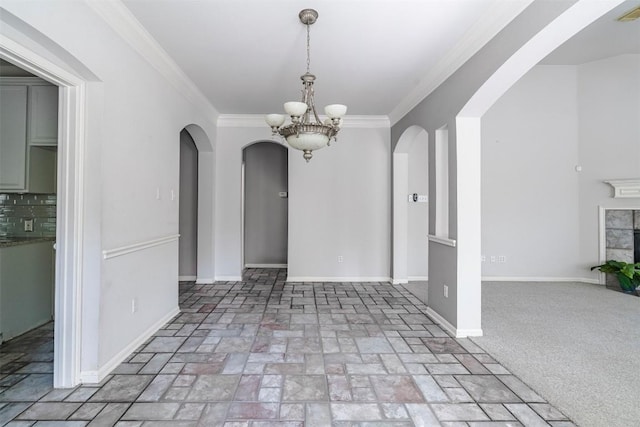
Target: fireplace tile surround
620 226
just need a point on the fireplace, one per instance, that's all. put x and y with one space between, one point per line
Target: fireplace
622 233
636 245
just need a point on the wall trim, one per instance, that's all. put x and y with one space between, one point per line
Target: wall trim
339 279
204 281
444 323
139 246
539 279
265 265
442 240
418 278
186 278
257 121
399 281
228 279
125 24
93 377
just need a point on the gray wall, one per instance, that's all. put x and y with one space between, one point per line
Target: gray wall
188 215
266 213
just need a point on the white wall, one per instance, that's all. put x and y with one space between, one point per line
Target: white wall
536 209
609 131
338 204
134 117
529 183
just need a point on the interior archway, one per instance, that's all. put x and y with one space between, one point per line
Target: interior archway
264 205
410 175
205 255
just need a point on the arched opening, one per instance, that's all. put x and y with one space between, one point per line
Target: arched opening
196 199
410 208
188 209
265 205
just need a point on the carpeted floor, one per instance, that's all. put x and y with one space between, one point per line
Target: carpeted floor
578 345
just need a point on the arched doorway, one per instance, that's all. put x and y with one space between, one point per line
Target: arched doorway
265 205
188 209
196 199
410 208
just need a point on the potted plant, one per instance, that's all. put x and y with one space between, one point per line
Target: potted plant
628 274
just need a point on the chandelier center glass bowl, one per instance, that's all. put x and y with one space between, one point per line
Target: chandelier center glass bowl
307 132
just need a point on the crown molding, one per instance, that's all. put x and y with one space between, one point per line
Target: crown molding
125 24
257 121
486 27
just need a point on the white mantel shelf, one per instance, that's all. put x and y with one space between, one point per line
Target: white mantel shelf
625 188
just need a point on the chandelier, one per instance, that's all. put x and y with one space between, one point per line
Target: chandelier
307 132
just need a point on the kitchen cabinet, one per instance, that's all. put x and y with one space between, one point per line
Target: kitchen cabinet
28 135
26 287
13 142
43 115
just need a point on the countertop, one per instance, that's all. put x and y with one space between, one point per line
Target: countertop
6 242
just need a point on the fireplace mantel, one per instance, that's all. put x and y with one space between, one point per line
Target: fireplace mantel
625 188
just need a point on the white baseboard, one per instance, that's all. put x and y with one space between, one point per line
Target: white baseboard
418 278
265 265
539 279
204 281
458 333
399 281
93 377
338 279
186 278
228 278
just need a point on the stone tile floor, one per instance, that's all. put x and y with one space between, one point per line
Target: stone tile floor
263 352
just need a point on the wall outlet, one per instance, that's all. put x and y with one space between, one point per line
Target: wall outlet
483 258
502 259
446 291
28 225
493 258
340 258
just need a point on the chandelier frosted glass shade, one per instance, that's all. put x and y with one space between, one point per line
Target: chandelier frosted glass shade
307 132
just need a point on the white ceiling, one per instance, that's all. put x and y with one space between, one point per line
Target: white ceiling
246 56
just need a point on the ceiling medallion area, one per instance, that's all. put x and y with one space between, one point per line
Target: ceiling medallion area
307 132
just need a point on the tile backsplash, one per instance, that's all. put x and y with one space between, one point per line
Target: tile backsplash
16 208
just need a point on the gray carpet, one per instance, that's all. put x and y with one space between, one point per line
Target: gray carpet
578 345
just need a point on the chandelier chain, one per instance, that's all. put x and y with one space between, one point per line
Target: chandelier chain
308 49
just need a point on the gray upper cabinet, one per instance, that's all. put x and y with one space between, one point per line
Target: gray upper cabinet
28 135
13 137
43 115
